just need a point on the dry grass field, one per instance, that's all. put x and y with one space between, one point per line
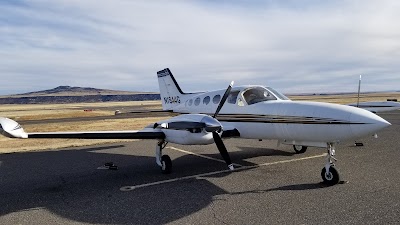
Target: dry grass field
59 111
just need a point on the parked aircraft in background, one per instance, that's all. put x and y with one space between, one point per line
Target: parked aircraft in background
252 112
375 107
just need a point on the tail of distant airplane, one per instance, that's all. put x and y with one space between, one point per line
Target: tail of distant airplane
170 92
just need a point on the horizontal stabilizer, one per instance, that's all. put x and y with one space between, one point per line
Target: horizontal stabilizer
148 113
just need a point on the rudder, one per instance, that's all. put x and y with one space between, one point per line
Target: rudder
170 92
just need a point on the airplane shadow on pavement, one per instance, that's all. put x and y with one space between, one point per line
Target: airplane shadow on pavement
67 184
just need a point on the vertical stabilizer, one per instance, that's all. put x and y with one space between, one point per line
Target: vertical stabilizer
170 92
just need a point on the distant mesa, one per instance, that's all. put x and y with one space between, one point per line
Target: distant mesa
68 90
68 94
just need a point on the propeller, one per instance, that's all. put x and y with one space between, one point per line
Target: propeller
222 150
224 97
217 139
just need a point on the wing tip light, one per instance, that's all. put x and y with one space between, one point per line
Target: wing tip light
11 128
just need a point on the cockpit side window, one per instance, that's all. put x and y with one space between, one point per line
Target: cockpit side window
257 94
233 97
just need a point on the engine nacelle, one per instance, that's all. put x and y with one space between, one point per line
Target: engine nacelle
185 137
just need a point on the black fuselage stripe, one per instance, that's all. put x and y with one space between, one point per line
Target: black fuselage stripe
258 118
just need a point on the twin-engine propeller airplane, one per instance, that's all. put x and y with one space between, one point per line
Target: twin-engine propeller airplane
252 112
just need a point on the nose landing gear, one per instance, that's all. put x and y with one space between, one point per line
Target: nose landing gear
329 173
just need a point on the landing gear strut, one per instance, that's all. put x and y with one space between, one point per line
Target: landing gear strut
329 174
164 161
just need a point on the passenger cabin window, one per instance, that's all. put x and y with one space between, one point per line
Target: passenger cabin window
190 102
216 99
233 97
206 100
197 101
257 94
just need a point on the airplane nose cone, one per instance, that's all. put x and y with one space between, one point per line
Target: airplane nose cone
366 122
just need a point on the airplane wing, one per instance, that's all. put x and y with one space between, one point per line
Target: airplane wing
133 134
12 129
376 107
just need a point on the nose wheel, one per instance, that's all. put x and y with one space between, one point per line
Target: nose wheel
330 178
329 173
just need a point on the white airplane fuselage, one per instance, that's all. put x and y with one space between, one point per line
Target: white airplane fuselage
290 122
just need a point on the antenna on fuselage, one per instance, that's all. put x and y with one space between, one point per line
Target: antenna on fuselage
358 95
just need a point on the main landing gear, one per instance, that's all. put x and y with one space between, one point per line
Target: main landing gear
329 174
299 149
164 161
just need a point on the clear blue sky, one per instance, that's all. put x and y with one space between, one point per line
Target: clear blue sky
293 46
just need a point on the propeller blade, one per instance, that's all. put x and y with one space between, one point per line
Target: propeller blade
183 125
222 150
222 102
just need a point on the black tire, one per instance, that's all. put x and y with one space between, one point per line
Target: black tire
166 164
332 178
113 167
108 164
299 150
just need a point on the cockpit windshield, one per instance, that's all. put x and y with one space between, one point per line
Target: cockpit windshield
261 94
257 94
278 94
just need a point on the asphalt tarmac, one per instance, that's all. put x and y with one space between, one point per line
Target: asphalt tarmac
273 186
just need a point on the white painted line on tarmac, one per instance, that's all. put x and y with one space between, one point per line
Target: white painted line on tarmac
131 188
199 155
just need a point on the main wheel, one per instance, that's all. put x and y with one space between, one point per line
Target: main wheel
299 148
332 177
166 164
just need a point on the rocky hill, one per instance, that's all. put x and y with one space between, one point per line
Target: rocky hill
67 94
